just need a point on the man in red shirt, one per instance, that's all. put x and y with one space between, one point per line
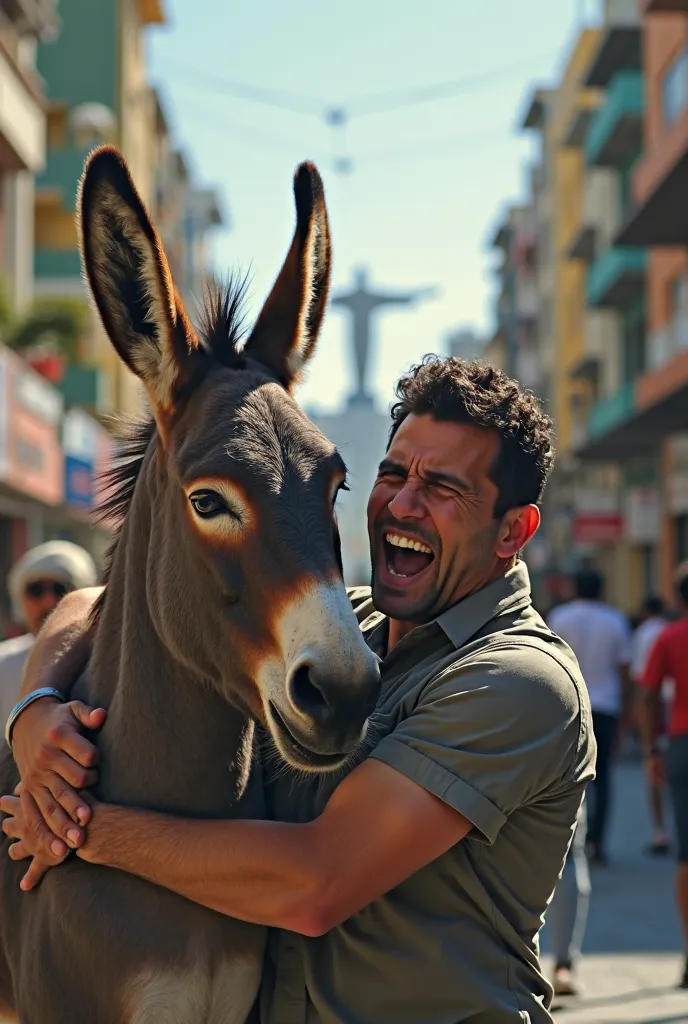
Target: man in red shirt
669 660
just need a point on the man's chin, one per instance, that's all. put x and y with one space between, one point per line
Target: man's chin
400 604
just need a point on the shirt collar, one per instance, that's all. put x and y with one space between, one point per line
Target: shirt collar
510 592
460 622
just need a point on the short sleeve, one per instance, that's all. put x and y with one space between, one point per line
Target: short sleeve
490 734
656 670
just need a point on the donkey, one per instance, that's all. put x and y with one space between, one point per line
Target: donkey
224 605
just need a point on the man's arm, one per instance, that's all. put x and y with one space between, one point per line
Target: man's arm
377 829
53 758
650 710
63 646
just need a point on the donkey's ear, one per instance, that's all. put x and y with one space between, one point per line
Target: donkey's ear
130 279
286 331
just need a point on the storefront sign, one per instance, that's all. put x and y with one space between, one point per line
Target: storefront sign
643 515
79 485
80 436
597 528
34 462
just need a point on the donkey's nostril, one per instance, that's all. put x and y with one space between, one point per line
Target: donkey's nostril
306 695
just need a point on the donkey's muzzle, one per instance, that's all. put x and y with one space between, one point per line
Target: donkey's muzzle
327 711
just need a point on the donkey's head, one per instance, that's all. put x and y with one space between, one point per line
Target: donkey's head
243 574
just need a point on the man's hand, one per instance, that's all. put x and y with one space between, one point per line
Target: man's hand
55 760
28 844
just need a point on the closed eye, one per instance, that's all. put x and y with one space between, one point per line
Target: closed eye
207 504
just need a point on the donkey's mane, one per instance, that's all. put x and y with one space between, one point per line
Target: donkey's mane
221 330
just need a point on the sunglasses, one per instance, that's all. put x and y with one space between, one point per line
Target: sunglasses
39 588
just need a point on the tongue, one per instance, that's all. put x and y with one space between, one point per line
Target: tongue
406 562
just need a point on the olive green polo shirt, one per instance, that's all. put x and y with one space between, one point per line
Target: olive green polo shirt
486 709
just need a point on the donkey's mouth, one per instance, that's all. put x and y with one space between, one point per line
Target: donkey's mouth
295 752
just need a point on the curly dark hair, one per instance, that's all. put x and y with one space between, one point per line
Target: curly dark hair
473 392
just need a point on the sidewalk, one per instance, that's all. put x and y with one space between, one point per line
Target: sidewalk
632 951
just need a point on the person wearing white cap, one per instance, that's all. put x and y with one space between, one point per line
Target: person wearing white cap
37 583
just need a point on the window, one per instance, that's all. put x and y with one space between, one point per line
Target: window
633 341
675 89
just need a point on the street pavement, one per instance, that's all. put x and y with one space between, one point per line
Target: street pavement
632 950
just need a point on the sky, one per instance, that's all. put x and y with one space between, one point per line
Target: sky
428 181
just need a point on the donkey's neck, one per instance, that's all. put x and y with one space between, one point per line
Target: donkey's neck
170 741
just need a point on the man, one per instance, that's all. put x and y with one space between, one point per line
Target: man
653 621
412 890
668 660
37 583
600 637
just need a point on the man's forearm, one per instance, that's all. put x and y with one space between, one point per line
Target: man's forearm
262 872
63 646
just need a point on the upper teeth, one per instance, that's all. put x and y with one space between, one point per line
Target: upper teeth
405 542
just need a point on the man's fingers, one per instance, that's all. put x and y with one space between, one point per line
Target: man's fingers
65 736
53 817
12 828
33 875
90 718
9 804
43 841
66 795
18 851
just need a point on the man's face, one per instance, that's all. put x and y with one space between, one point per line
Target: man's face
433 491
39 599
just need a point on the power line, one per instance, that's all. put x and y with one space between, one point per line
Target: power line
336 115
396 99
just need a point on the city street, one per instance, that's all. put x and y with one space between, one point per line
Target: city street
633 946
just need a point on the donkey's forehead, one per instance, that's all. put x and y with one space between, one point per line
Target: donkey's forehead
238 424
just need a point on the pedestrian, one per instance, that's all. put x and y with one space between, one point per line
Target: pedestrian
567 914
669 660
601 640
413 889
652 621
37 583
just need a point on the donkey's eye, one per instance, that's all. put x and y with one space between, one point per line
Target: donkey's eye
207 504
338 490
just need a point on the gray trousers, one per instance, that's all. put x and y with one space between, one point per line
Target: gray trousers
567 914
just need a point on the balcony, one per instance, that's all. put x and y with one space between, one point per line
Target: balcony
666 6
615 278
32 17
660 217
616 130
609 413
620 50
583 245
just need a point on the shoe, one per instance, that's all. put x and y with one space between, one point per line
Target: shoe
564 983
683 983
658 847
596 858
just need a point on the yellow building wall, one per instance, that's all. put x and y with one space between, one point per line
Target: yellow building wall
570 275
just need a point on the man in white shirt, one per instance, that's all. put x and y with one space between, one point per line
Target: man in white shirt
652 623
600 637
37 583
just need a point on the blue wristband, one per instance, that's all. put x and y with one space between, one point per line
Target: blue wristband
45 691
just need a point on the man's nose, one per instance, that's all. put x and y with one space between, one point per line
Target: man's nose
407 502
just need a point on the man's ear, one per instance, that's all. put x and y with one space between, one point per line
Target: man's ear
516 529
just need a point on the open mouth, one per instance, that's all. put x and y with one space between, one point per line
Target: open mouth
406 556
297 752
